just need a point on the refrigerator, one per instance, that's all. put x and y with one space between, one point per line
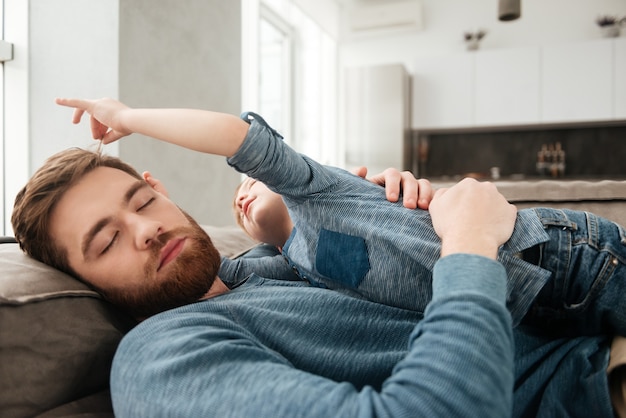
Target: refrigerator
377 112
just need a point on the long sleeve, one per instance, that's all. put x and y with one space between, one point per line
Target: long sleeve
270 349
265 157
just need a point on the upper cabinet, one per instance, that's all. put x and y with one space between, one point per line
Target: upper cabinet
619 92
443 91
576 82
507 86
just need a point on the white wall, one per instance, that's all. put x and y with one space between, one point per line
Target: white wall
177 54
542 22
61 48
183 54
73 52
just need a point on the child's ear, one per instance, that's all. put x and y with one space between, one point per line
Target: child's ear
154 183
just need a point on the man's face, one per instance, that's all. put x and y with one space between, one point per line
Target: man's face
262 213
132 243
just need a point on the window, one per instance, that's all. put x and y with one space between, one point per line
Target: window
290 75
275 64
13 117
316 92
6 53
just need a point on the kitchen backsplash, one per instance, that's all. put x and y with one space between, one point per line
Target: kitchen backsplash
592 152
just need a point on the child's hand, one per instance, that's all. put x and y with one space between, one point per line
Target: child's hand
416 193
105 117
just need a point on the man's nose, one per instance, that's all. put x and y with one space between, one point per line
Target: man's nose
146 231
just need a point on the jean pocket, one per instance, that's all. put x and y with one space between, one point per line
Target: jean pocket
342 258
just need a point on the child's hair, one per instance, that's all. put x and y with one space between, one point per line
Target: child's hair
37 199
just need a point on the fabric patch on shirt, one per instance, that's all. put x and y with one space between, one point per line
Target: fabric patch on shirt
342 258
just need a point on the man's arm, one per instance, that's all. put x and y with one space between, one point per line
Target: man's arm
210 359
199 130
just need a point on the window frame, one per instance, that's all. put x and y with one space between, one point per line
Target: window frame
15 130
288 66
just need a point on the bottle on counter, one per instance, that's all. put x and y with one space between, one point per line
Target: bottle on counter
542 160
551 160
560 160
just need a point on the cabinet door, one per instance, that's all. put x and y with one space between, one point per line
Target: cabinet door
507 86
443 91
577 81
619 49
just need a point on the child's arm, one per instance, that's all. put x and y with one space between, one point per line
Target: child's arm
199 130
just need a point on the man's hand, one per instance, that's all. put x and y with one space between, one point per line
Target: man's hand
416 193
472 217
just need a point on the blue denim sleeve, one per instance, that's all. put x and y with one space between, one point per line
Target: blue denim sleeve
266 157
214 359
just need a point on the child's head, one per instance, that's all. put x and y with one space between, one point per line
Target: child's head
261 213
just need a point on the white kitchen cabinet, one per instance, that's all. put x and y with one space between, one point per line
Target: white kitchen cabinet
507 86
443 91
573 82
619 92
577 81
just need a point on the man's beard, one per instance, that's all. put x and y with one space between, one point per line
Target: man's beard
186 279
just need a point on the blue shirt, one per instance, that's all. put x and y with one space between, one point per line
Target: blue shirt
348 237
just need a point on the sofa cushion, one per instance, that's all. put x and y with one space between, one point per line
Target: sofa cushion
57 337
230 241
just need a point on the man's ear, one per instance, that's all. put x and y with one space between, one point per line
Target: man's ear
155 184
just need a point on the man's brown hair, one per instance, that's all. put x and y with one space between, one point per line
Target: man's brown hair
37 199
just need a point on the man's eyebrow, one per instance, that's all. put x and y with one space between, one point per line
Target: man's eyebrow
98 226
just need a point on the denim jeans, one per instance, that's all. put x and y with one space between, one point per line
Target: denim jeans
586 293
560 377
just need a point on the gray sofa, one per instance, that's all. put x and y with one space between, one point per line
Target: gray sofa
58 337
